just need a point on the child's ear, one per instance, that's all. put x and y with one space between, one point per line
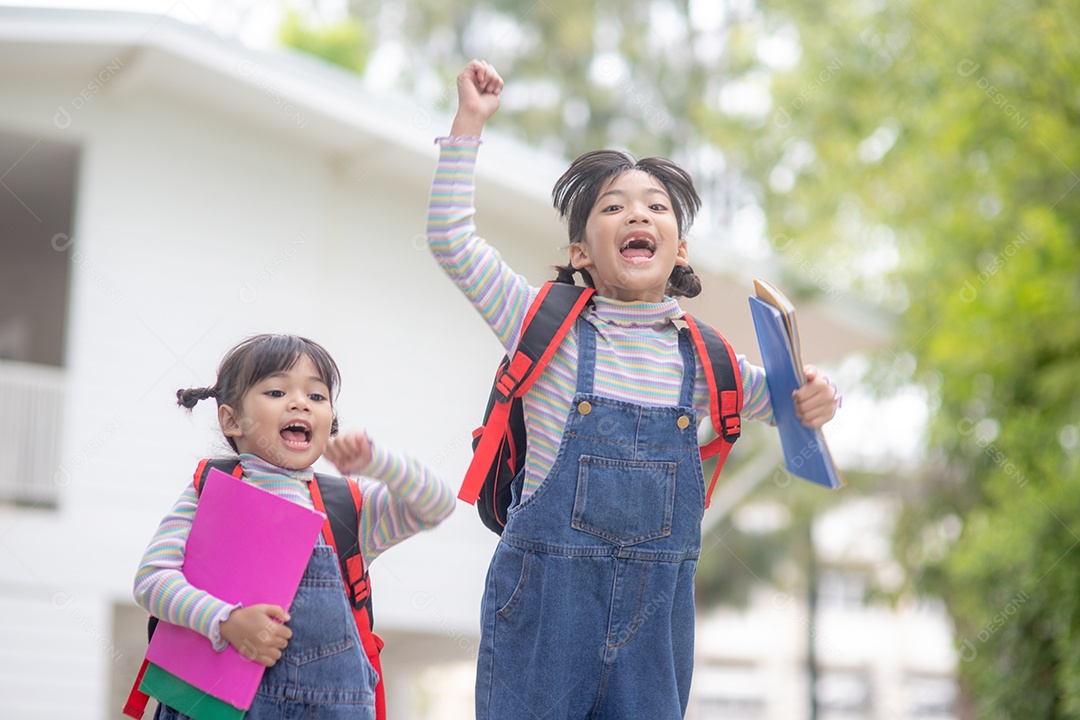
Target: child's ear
229 421
682 255
579 256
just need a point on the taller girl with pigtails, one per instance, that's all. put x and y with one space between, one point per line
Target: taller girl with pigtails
597 621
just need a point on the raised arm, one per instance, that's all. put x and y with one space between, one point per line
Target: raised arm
407 498
478 87
498 293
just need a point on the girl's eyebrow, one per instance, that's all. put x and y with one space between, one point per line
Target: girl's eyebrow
616 191
284 373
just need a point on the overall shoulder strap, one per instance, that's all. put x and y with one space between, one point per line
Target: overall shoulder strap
725 392
548 320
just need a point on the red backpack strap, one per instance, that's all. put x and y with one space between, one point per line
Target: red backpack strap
725 393
490 435
341 501
137 700
548 320
229 466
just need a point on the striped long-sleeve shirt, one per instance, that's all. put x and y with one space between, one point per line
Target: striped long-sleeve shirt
402 499
637 350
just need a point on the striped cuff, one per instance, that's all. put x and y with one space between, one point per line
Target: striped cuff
221 616
468 140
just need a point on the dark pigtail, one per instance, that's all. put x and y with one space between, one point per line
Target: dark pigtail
684 281
566 275
190 397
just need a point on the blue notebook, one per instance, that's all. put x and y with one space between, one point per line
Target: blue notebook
805 453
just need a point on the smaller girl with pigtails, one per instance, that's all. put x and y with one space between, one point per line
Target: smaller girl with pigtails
275 405
588 610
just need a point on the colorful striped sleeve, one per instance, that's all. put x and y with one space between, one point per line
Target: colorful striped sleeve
407 499
500 295
756 402
160 586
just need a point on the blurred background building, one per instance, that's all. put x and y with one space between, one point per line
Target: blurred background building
164 193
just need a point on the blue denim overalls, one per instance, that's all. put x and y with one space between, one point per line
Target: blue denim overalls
323 673
588 610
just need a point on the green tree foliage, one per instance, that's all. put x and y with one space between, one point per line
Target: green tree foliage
583 75
936 141
343 43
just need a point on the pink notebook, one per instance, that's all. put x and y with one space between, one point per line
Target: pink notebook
248 546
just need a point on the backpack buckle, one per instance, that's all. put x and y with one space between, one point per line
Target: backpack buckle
359 589
506 385
512 375
732 427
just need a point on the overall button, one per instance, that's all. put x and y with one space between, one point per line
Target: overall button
584 407
683 422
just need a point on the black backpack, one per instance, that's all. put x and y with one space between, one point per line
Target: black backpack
499 444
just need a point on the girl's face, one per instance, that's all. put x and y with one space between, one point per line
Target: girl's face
285 418
631 241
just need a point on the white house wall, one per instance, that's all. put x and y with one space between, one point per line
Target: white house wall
193 230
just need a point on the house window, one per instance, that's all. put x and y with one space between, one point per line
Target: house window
37 200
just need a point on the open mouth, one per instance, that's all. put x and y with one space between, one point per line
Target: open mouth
638 246
296 435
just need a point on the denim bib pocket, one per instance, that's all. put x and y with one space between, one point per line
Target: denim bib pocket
625 502
322 637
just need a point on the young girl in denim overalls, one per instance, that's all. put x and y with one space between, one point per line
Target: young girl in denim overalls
589 604
275 406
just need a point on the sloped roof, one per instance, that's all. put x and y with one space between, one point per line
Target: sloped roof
311 102
302 98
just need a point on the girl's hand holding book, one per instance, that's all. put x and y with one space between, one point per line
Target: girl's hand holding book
817 400
258 632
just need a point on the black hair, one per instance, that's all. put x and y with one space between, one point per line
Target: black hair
575 193
258 357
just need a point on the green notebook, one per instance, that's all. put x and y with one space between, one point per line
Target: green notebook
188 699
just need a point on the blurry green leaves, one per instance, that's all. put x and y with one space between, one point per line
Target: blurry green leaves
343 43
953 125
